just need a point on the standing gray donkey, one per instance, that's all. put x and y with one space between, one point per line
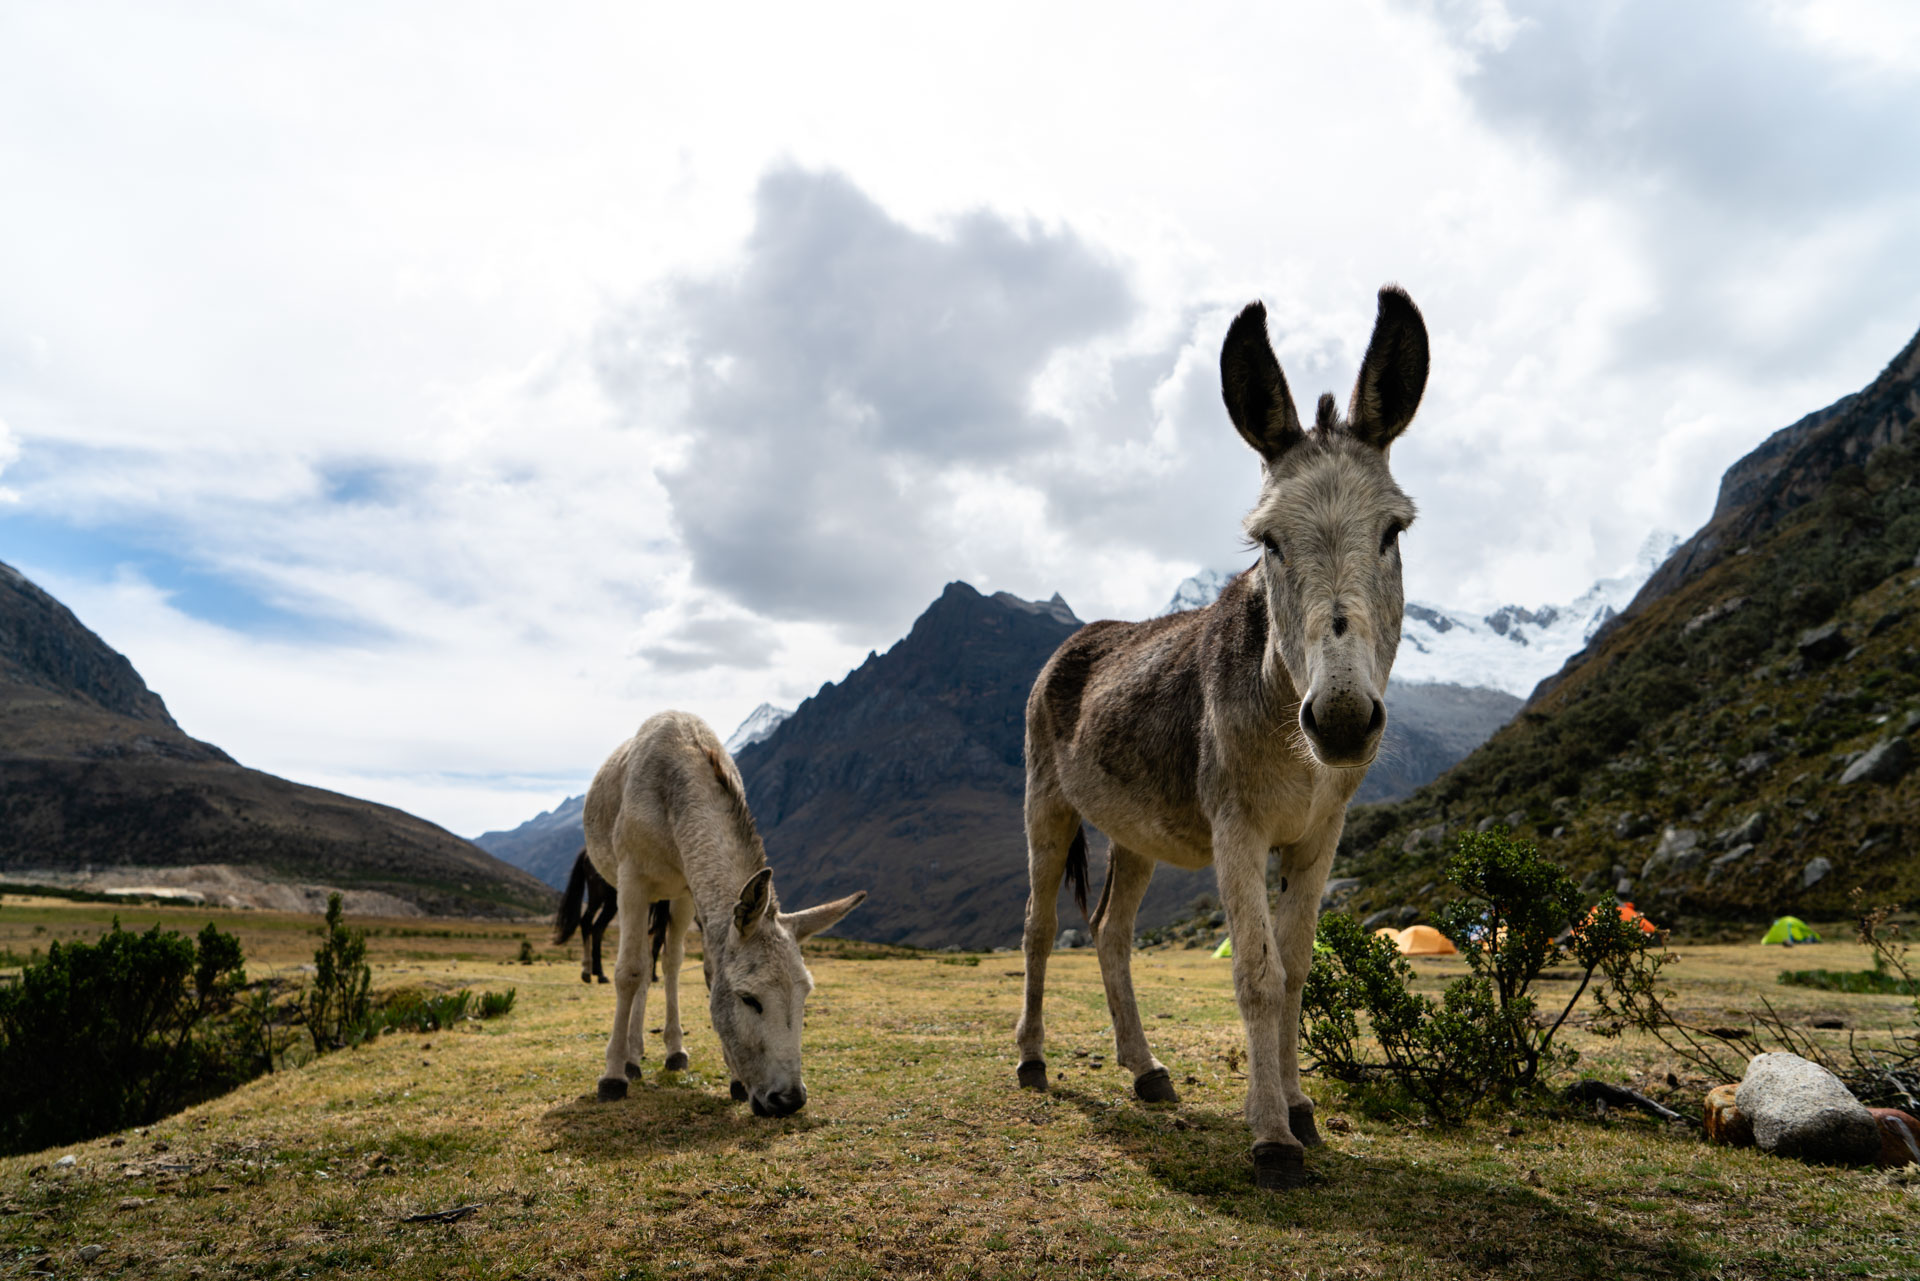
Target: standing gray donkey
1216 735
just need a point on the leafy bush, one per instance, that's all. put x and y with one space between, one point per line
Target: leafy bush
338 1008
1517 913
495 1005
100 1036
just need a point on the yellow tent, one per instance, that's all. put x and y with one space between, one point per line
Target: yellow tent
1419 940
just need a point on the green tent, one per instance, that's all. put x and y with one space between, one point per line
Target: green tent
1790 930
1225 951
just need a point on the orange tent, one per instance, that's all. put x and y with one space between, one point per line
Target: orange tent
1419 940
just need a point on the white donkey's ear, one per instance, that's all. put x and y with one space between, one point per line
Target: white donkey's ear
756 902
812 920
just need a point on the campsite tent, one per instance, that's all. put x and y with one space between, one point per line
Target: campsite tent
1419 940
1790 930
1225 951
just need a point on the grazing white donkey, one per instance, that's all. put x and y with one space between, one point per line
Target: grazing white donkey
667 819
1216 735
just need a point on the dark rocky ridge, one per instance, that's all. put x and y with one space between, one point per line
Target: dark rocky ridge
95 773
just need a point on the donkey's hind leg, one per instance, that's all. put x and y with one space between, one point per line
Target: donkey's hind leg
672 952
1053 837
630 968
1128 875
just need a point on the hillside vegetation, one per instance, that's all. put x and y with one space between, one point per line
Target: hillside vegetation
1736 744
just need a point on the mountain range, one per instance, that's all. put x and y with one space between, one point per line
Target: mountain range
906 777
99 785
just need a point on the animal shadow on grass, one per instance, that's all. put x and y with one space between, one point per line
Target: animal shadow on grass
654 1120
1469 1222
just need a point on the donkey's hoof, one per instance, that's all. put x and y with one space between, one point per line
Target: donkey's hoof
633 1070
1300 1121
738 1091
585 977
1155 1087
600 978
676 1062
1279 1165
1033 1075
612 1089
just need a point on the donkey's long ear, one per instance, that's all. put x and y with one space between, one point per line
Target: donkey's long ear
756 903
812 920
1394 373
1254 388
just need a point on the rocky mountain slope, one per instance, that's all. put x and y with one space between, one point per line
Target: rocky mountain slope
94 773
1736 742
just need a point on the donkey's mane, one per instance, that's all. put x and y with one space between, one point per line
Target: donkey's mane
737 811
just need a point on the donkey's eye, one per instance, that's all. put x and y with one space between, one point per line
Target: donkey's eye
1391 537
1272 544
752 1003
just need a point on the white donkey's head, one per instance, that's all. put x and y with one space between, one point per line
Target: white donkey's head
757 986
1328 523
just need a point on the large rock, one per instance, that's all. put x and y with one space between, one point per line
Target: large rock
1885 762
1823 644
1799 1109
1678 851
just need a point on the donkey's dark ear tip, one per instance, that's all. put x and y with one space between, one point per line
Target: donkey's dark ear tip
1394 298
1254 313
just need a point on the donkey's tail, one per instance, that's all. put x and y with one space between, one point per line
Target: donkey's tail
1077 868
567 920
1099 916
659 913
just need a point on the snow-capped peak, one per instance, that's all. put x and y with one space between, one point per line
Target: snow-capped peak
1199 591
1512 648
760 722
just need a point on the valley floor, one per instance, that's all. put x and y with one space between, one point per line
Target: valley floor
916 1157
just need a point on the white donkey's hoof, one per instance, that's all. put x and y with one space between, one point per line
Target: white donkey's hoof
1033 1075
1155 1087
676 1062
1300 1121
612 1089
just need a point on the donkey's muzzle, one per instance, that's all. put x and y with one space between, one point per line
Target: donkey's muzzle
782 1103
1344 727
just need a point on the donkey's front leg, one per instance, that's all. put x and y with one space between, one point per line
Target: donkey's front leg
1303 877
1259 985
680 915
1128 875
630 969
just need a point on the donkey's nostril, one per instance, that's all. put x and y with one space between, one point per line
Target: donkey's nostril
1340 626
1307 722
1378 719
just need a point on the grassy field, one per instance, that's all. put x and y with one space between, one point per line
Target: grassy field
916 1156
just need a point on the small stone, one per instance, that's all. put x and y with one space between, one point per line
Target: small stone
1486 824
1885 762
1515 820
88 1253
1629 826
159 1145
1816 871
66 1162
116 1142
1070 938
130 1203
1338 891
1725 1122
1800 1109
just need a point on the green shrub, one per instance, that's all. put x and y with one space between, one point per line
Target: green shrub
100 1036
1517 913
338 1007
495 1005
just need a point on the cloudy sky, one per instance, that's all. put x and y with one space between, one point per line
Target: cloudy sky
421 397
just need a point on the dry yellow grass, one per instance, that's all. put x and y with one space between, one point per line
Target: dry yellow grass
915 1157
